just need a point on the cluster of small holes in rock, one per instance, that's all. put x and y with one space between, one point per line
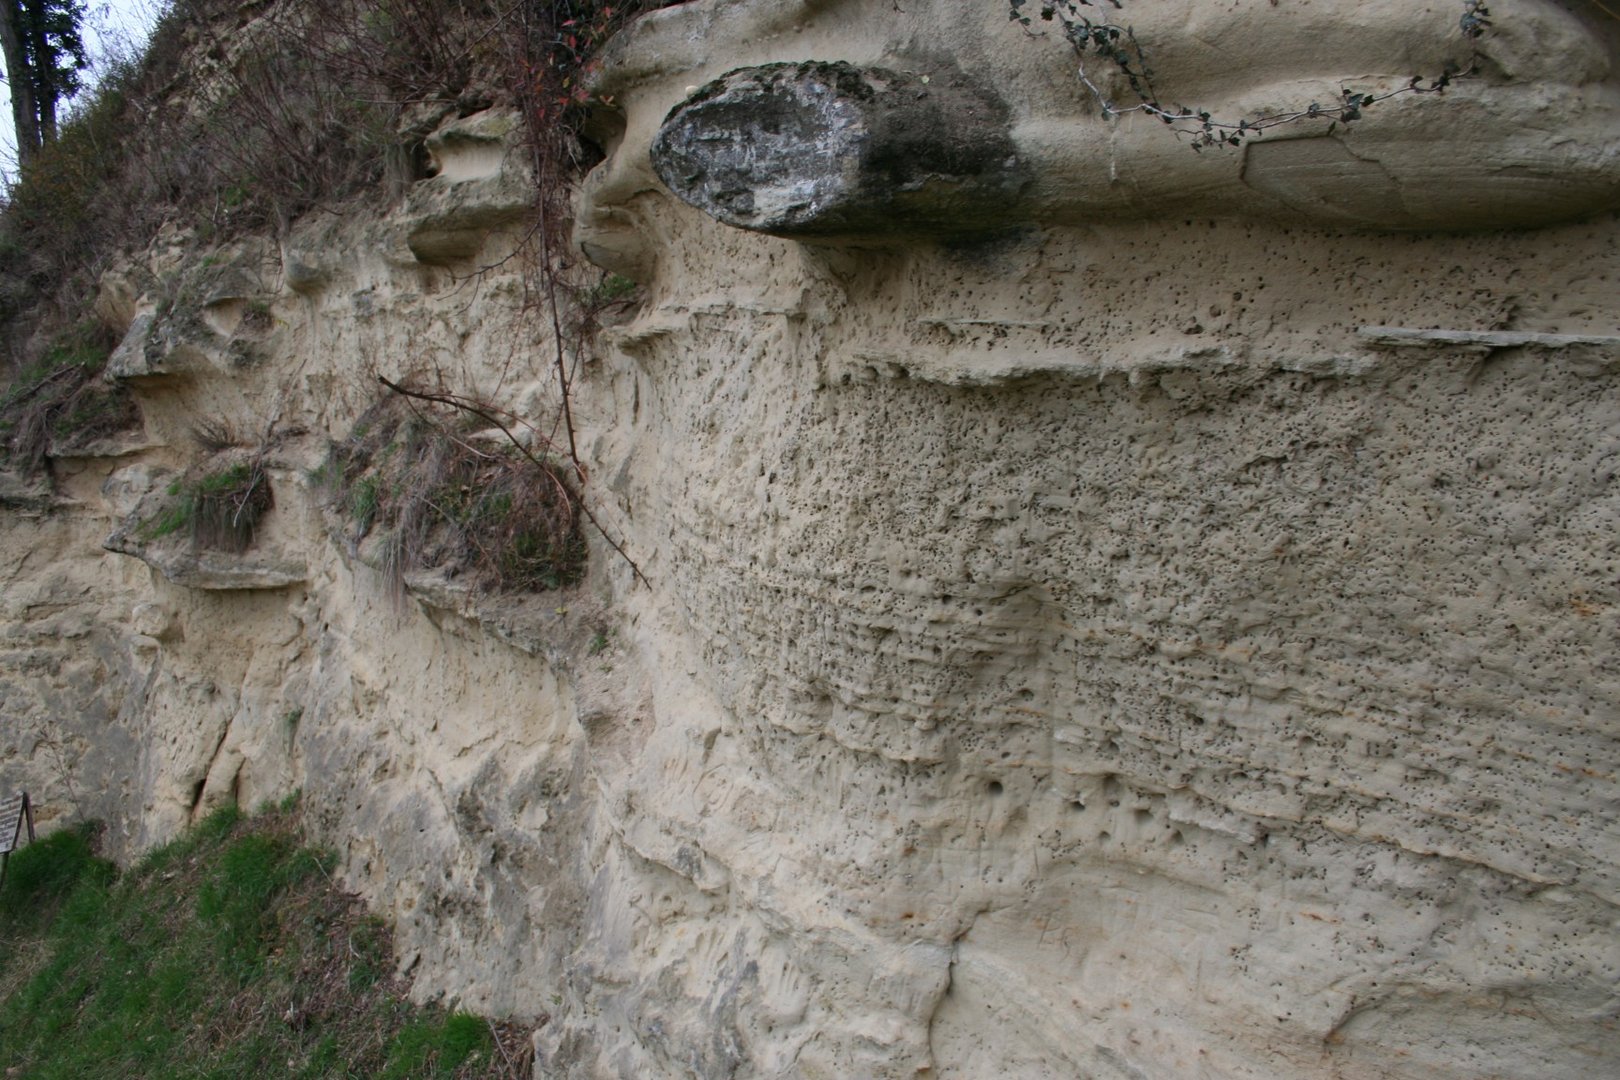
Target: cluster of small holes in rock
1215 525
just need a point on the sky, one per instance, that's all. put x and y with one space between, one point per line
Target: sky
112 28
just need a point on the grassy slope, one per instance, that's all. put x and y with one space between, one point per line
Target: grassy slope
226 954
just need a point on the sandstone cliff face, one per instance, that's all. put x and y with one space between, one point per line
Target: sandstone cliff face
1104 645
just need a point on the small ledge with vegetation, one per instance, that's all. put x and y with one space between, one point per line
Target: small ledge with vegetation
60 406
201 531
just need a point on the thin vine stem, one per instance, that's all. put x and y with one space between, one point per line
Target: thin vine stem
1118 44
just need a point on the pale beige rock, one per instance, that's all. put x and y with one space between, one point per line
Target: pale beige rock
1110 622
479 187
1087 653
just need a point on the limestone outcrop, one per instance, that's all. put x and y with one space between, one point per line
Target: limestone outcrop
1168 634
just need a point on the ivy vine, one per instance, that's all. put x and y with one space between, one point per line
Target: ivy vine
1097 39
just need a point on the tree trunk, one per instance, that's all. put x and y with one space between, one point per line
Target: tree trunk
24 109
36 44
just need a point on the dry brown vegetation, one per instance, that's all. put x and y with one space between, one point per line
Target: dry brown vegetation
241 118
60 404
431 491
238 118
219 506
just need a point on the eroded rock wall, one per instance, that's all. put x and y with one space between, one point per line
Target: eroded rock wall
1239 702
1144 657
1105 645
433 733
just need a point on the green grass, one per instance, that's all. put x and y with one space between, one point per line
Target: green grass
223 481
221 509
611 289
38 874
227 953
363 504
171 519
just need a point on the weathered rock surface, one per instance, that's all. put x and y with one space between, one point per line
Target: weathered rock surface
478 187
1175 639
819 149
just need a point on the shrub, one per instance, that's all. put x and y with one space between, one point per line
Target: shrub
434 500
60 401
229 506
